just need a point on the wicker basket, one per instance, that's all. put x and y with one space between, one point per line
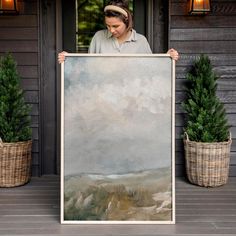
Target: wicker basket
207 164
15 163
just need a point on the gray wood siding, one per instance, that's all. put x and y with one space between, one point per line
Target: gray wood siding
19 36
214 35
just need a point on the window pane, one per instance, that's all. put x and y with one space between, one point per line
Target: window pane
89 19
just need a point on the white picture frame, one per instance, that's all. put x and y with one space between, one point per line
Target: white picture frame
118 139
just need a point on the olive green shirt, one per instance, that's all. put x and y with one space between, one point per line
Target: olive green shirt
104 42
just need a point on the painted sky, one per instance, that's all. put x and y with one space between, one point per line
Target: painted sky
117 114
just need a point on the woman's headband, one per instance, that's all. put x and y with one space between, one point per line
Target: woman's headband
117 9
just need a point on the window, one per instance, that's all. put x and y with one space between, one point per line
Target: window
82 18
89 19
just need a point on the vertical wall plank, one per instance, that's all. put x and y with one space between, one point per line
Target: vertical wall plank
48 87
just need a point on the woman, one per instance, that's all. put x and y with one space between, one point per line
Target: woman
119 37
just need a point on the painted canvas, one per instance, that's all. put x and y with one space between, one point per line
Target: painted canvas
117 139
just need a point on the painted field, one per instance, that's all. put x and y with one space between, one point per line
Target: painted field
144 196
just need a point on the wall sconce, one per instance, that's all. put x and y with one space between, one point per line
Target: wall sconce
8 7
199 7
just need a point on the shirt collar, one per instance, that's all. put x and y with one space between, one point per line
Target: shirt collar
133 36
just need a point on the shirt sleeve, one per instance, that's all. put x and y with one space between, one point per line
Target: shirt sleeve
92 46
95 45
146 47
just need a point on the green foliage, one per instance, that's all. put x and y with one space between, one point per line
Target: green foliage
206 116
14 112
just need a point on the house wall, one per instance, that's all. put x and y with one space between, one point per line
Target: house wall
32 38
19 35
215 36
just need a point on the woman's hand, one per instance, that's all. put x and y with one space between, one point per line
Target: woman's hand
173 54
61 57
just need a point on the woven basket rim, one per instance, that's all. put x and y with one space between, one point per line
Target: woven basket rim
186 139
17 142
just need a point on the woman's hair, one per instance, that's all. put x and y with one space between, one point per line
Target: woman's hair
113 13
120 3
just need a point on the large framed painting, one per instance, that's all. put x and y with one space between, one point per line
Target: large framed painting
117 139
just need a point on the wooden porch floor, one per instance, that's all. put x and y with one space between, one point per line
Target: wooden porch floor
33 209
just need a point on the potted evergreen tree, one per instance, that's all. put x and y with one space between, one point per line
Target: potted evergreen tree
207 138
15 130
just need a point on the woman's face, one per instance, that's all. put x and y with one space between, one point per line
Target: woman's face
116 26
